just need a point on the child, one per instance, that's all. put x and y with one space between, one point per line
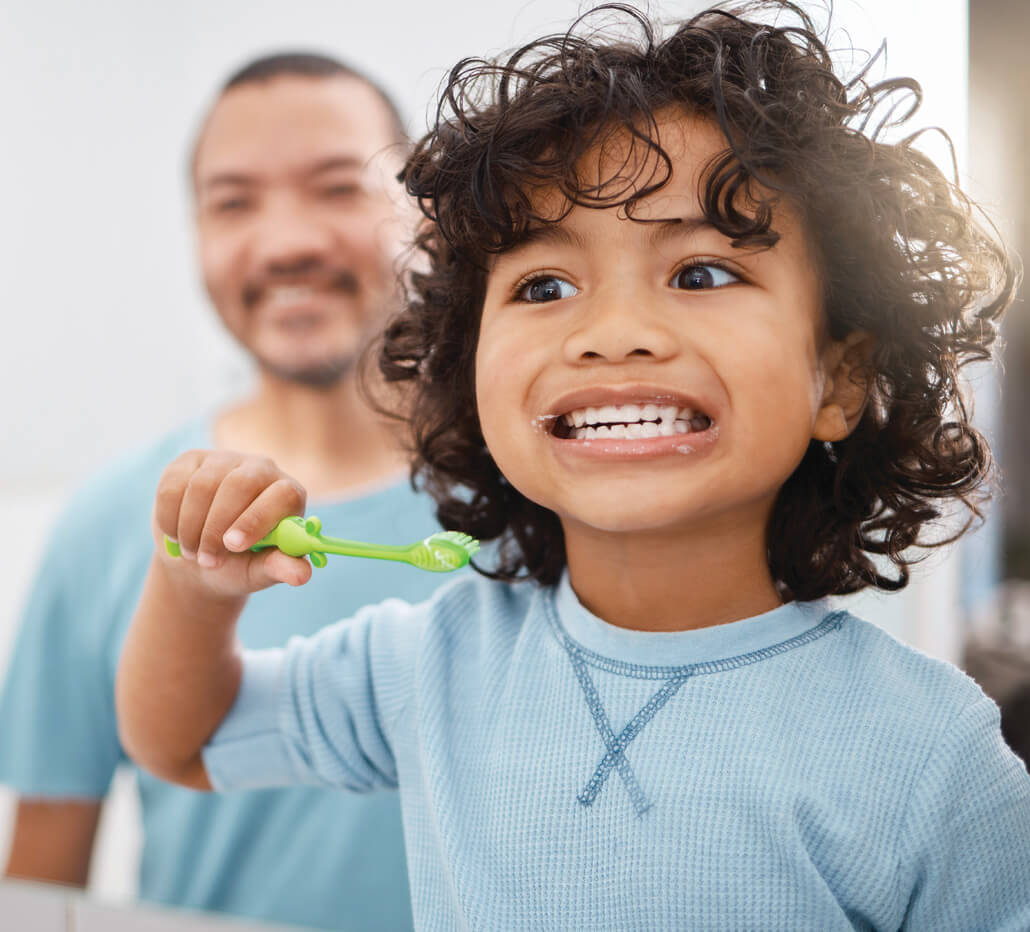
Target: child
687 348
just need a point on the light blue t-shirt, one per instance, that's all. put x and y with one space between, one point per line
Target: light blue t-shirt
800 770
305 856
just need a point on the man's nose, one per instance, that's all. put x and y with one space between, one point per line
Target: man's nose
617 325
288 237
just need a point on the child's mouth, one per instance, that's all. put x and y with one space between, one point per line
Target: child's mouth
628 422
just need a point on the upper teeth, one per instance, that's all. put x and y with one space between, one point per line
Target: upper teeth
289 294
631 421
627 414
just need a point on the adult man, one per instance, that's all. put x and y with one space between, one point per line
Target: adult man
298 232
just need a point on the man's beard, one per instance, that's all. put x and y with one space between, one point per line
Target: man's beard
323 374
319 375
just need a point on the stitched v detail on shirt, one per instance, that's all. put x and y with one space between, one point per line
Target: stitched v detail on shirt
673 678
616 745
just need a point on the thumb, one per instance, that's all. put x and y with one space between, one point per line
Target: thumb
271 566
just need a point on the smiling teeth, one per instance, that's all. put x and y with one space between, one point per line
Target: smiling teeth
626 414
632 422
289 294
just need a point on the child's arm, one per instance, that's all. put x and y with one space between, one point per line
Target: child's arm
180 668
966 841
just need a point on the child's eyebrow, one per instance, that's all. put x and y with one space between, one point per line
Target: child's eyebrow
676 227
548 234
559 235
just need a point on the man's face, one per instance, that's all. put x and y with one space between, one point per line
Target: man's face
300 221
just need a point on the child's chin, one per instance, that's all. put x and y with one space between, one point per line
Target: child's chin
627 520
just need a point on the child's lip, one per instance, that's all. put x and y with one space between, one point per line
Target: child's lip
636 393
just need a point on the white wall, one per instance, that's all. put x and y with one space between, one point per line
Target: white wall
106 337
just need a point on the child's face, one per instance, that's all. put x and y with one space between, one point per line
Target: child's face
716 350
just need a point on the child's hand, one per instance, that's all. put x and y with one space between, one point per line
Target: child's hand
216 505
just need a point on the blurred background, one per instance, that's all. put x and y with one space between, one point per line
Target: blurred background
999 145
108 340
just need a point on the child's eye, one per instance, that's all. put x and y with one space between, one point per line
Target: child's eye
700 277
546 288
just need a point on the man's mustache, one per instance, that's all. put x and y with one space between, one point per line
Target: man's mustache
339 280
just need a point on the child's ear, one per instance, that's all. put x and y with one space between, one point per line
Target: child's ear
846 364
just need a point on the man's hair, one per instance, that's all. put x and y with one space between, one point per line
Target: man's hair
303 65
899 255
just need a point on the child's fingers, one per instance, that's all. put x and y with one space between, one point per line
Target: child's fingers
273 566
283 497
239 488
198 495
170 489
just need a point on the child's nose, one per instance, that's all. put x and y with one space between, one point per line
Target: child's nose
615 327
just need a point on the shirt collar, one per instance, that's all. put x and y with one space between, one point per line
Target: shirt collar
677 648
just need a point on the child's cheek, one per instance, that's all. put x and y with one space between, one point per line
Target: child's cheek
490 402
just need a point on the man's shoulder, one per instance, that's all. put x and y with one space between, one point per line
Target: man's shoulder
107 516
128 481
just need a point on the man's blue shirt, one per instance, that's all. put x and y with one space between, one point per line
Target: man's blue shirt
308 856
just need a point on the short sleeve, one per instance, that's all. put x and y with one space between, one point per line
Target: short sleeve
968 831
58 732
321 710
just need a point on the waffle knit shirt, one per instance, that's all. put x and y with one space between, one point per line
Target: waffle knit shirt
799 770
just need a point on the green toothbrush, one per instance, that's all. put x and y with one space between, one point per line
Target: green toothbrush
303 537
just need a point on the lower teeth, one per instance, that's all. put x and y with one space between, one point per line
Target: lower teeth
645 430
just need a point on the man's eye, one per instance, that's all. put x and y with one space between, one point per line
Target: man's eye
231 205
549 288
341 191
701 277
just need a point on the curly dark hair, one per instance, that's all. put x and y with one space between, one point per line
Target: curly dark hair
901 252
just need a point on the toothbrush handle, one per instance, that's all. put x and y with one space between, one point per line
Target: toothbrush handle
308 544
356 548
347 548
